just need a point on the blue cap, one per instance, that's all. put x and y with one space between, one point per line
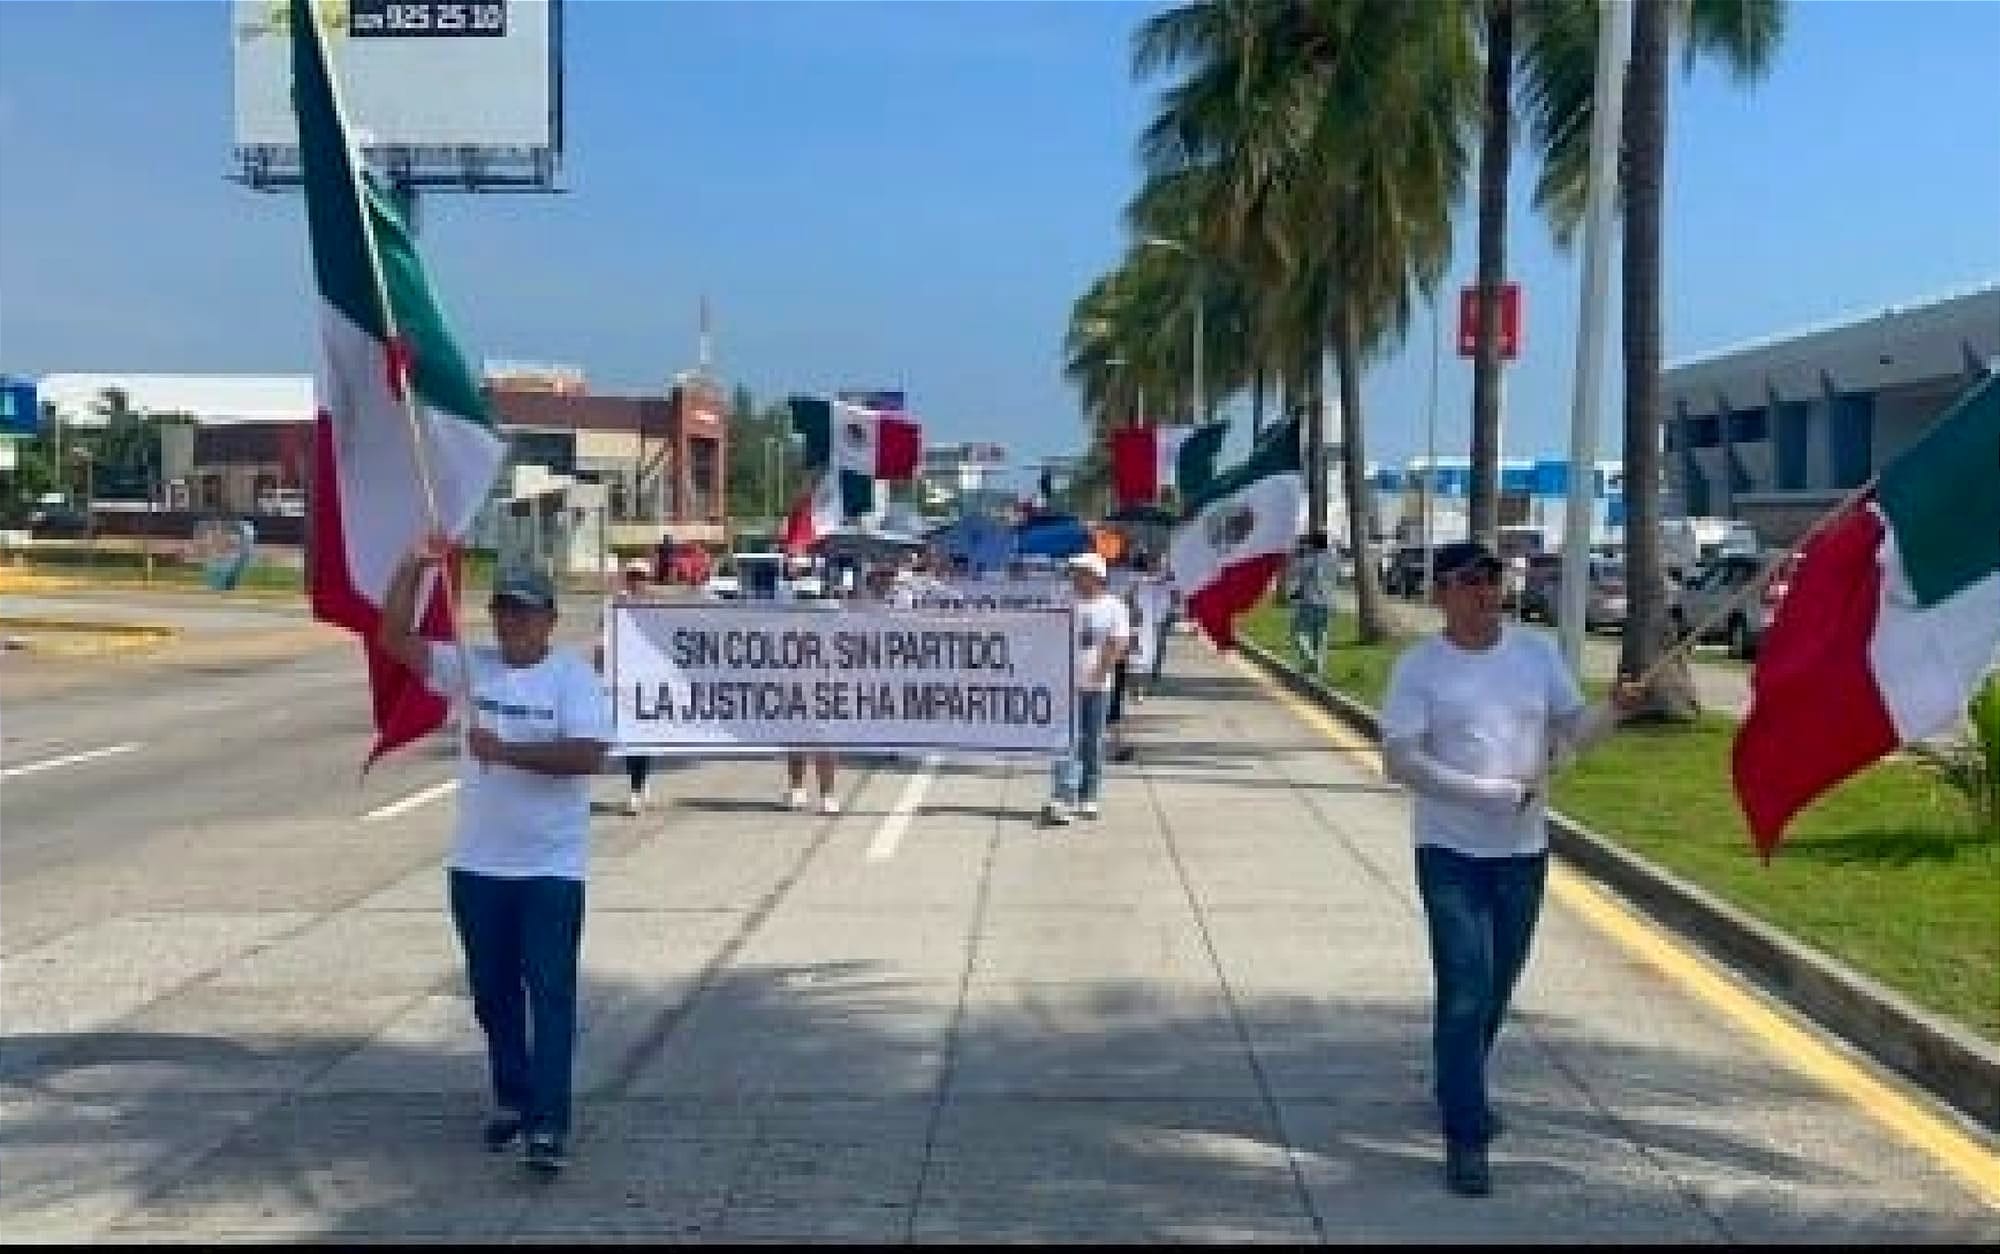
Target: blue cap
1464 555
529 589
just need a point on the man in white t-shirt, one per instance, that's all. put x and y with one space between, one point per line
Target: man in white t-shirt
1103 634
538 731
1474 720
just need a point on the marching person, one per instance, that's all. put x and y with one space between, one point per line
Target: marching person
1103 633
790 591
1312 578
536 733
1475 719
638 765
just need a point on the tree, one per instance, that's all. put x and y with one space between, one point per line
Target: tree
1327 137
1744 35
1495 156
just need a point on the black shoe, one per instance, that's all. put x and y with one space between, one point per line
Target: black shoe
1465 1171
545 1153
1496 1127
501 1132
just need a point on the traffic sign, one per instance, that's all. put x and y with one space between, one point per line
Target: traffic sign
1510 321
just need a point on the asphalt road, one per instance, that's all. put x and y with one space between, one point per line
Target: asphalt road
233 1006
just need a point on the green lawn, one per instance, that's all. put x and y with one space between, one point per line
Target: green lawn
1888 873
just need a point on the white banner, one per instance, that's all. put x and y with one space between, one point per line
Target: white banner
984 595
700 678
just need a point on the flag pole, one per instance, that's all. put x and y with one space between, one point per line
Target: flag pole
1686 644
399 372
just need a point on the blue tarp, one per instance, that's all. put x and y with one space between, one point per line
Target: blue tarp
1051 535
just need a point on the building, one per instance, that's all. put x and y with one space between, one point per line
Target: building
1534 492
1777 432
953 472
613 471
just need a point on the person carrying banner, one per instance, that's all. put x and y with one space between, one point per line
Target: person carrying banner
537 732
1475 719
638 765
1103 632
789 592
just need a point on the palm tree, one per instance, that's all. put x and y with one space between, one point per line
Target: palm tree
1495 156
1744 35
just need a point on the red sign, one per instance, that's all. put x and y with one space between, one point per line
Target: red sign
1510 321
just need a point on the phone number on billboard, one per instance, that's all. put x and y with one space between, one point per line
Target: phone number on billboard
371 18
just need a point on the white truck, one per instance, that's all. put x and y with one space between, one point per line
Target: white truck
1686 543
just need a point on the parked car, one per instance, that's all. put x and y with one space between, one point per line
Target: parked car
1686 544
1538 600
1404 572
1605 602
1713 585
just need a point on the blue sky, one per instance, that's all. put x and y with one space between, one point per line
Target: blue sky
912 194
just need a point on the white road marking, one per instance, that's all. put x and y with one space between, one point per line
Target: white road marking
71 760
890 834
396 809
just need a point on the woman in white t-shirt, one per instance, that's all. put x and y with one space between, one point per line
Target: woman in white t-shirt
1103 633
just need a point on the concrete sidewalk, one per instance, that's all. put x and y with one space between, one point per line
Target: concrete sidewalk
1202 1017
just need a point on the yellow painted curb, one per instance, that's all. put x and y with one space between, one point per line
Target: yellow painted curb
1965 1156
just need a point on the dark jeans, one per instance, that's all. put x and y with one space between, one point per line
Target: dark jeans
1077 778
521 938
1482 914
636 769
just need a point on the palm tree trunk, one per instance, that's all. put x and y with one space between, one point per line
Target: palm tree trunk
1644 183
1372 624
1496 153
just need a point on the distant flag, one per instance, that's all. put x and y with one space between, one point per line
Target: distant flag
1891 620
849 450
382 339
1147 460
1238 532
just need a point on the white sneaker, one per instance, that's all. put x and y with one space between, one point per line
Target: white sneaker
1088 809
1055 814
829 804
635 802
795 799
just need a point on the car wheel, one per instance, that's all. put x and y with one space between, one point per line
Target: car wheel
1739 639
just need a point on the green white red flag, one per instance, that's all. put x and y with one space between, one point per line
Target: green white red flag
383 339
1891 621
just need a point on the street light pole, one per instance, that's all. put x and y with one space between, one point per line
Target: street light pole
1614 43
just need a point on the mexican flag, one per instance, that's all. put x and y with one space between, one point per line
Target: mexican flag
384 350
1891 621
1238 533
1147 460
849 449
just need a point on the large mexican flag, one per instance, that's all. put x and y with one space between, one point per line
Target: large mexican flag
1238 532
1890 622
382 340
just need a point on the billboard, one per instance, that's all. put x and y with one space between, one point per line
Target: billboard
20 409
460 94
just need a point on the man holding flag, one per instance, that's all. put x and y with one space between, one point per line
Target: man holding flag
406 448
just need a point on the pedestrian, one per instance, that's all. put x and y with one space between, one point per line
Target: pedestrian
1475 719
1103 633
1311 582
637 765
537 731
795 591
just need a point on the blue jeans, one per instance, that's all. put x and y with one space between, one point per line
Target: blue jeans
521 938
1309 632
1078 777
1481 913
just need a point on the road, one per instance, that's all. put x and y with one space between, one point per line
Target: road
234 1008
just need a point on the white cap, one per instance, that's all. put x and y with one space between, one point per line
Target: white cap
1088 562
